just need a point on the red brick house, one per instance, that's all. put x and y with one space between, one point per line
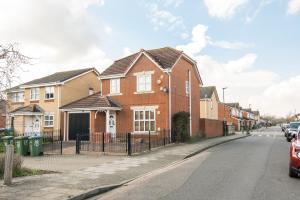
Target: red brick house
141 93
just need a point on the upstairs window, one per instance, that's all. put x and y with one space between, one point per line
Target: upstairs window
17 97
34 94
115 86
144 83
49 92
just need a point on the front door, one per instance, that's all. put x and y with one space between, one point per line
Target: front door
112 124
32 125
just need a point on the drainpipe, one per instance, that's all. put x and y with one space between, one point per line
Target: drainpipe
190 102
170 105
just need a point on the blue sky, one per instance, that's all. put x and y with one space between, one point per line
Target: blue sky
251 46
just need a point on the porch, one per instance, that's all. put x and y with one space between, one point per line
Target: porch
90 115
27 120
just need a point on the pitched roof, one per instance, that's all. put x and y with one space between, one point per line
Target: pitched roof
30 108
93 101
207 92
165 57
233 105
59 77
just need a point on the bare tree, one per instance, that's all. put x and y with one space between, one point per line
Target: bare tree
10 65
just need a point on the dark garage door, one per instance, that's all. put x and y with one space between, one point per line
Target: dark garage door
79 123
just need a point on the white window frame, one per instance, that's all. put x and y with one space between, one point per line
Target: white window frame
144 86
51 91
187 88
149 120
116 88
36 94
49 120
17 97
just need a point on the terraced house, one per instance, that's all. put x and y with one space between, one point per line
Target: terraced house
33 107
141 93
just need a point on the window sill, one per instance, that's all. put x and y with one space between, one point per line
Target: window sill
34 101
145 133
49 126
144 92
49 100
115 94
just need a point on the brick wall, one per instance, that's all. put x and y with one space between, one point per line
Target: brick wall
211 128
2 122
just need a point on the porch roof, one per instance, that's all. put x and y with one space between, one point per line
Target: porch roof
30 109
93 102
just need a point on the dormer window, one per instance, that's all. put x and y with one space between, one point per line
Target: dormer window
115 86
49 92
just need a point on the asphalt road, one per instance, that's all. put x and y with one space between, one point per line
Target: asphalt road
252 168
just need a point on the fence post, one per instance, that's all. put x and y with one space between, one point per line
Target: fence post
103 142
164 137
149 141
61 142
8 168
77 144
129 144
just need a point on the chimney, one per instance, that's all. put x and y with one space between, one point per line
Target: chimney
91 91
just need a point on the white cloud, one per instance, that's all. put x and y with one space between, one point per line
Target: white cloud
280 98
261 5
161 18
293 7
175 3
126 51
198 40
223 8
60 35
243 79
230 45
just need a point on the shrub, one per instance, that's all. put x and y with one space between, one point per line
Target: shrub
17 163
181 126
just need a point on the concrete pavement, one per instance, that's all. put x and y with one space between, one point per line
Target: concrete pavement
254 168
97 174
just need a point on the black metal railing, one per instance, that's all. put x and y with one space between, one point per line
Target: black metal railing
124 143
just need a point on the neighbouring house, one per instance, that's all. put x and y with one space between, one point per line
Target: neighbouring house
249 119
209 101
256 117
33 107
236 116
140 93
3 105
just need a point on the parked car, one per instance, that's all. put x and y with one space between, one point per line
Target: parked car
294 168
284 126
292 130
286 130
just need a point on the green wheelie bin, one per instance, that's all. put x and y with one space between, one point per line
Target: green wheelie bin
22 145
8 140
35 145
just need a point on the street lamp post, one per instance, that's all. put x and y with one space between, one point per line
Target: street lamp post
224 88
